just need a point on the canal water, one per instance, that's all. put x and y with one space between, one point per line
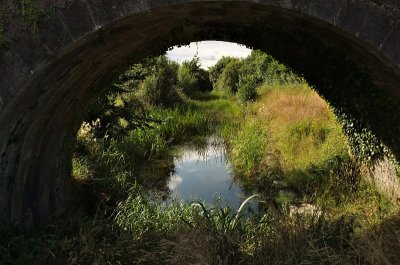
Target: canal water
204 173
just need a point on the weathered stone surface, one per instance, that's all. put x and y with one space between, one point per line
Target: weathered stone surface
384 176
56 56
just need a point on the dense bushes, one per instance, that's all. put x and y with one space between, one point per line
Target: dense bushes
246 89
187 82
216 70
242 77
364 145
156 82
125 104
160 87
288 135
229 78
203 79
136 122
192 78
264 69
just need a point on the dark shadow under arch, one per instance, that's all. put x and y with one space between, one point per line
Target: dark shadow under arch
40 121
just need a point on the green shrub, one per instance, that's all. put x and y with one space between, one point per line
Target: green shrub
229 79
192 78
204 83
364 145
187 82
159 88
216 70
256 66
246 90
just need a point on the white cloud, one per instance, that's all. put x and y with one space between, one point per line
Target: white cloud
209 52
174 182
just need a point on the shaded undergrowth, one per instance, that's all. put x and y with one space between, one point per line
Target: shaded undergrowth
286 142
142 231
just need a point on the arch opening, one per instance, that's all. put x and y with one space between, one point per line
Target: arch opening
39 121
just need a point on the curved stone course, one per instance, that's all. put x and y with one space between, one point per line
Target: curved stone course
56 56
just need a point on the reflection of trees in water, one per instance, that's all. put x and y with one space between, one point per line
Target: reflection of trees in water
154 175
276 195
203 149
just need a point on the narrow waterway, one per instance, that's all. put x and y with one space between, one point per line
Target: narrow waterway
204 173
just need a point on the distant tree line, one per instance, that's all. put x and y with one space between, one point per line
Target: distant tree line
161 82
241 77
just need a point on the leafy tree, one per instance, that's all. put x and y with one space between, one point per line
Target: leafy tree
229 79
247 89
187 80
263 68
130 80
203 80
123 106
216 70
256 66
191 77
160 87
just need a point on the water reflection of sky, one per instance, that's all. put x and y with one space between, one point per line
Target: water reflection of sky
204 175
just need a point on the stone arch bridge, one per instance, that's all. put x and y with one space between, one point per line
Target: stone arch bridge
57 55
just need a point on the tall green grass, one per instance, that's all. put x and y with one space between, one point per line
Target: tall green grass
289 134
110 165
143 231
181 123
277 138
248 148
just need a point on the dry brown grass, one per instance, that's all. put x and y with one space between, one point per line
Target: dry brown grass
380 242
291 104
192 247
301 125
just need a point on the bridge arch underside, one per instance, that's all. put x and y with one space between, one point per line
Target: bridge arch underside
39 122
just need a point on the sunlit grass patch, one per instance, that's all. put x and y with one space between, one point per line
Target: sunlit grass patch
302 131
291 103
181 123
248 148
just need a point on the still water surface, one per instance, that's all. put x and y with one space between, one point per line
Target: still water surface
205 174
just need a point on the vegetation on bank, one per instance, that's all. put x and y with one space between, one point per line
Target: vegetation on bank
301 144
283 141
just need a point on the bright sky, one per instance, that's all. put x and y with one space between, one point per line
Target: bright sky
209 52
